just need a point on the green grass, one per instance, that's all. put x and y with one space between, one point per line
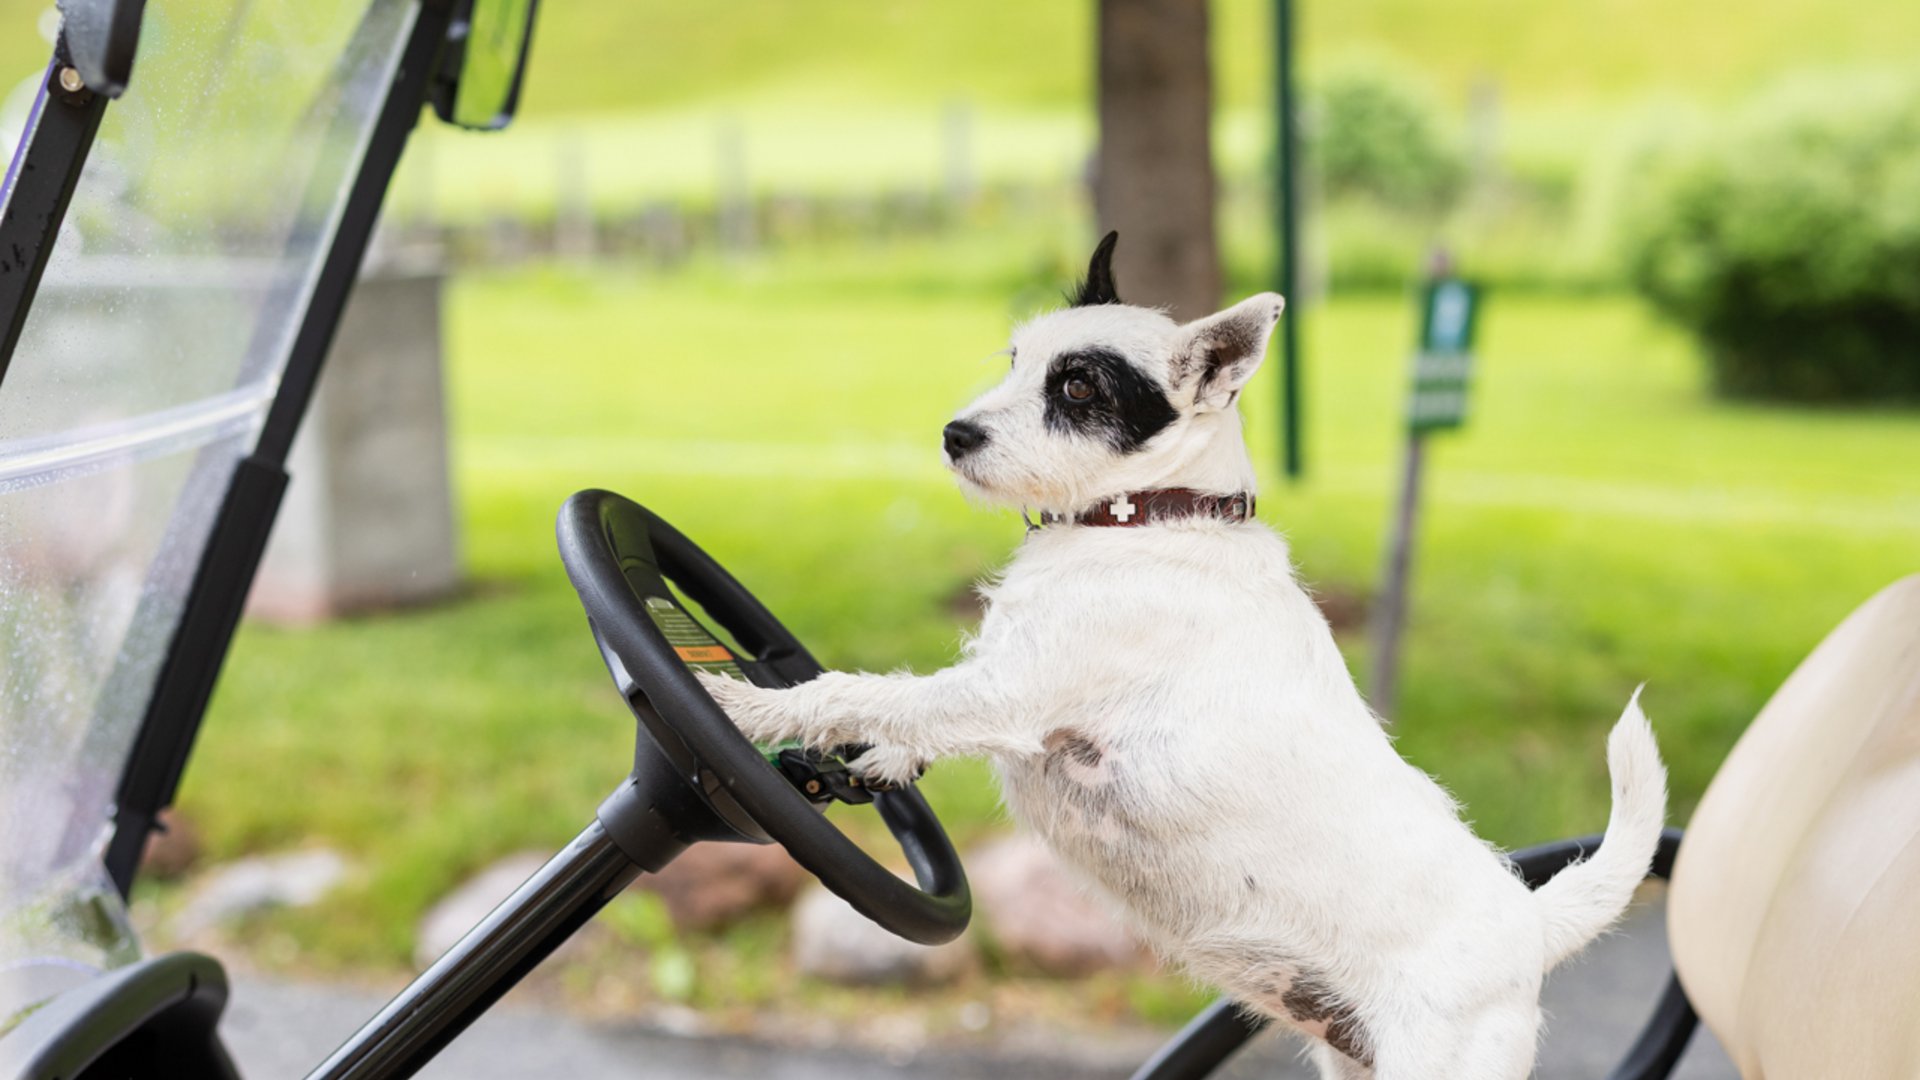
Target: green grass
1600 522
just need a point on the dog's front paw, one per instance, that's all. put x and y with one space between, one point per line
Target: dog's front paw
887 767
755 710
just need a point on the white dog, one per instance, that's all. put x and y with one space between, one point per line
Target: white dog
1167 708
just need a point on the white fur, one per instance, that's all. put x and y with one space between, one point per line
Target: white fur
1167 708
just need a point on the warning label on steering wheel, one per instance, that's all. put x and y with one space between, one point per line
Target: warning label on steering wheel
691 642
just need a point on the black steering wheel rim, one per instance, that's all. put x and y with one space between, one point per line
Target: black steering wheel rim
618 554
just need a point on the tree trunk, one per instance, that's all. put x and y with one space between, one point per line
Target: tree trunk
1153 177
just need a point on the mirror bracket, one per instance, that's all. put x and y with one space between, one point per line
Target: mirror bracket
102 36
484 63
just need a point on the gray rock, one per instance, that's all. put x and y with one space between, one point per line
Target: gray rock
290 879
172 849
1043 917
834 942
714 885
460 910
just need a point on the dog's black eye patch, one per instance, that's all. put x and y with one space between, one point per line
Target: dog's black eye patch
1126 408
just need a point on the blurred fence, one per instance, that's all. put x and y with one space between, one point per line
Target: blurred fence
660 189
663 189
667 232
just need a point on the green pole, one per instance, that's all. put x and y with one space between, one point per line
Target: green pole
1286 225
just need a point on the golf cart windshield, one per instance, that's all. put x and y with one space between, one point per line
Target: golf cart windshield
144 374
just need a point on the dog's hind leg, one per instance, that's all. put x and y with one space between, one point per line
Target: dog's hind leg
1494 1044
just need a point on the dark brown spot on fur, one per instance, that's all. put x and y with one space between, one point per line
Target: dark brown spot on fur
1083 751
1310 1000
1076 746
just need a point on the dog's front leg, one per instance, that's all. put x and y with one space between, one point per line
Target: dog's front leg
908 720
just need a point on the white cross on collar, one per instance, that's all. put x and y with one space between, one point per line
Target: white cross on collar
1122 508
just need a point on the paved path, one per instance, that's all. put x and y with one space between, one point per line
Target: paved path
280 1030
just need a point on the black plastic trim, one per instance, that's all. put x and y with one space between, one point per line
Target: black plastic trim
1205 1044
104 36
1662 1039
127 1022
194 658
37 190
656 814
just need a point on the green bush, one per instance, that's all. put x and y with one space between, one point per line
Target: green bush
1790 244
1374 132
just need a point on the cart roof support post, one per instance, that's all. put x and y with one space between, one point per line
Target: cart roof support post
38 186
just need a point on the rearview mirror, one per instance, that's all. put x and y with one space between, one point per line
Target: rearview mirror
486 61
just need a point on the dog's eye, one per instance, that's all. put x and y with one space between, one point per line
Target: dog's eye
1077 389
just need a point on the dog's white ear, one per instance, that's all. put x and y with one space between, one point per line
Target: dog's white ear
1218 354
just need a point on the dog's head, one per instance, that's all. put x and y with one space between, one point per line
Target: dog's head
1105 397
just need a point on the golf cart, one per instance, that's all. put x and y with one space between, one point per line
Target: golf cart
192 194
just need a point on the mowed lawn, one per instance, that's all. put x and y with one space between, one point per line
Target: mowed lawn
1599 523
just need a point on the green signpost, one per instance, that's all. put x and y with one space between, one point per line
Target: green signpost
1443 365
1442 376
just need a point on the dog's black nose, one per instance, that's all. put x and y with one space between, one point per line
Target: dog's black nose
963 438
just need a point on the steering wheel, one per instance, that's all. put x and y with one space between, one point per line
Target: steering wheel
620 557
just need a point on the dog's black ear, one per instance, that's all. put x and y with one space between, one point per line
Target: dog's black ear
1098 286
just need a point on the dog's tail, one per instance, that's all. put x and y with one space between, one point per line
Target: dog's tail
1585 898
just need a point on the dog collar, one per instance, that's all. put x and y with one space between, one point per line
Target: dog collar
1157 505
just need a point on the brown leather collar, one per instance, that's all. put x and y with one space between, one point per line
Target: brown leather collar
1160 504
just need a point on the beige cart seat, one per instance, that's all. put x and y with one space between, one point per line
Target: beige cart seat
1795 907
